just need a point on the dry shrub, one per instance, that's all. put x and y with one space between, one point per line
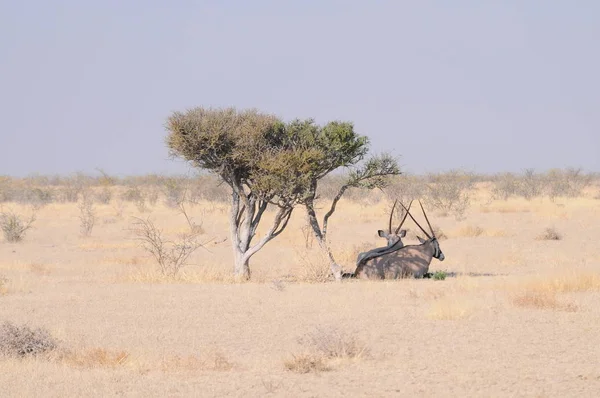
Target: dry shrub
94 358
549 234
170 256
315 266
306 363
214 361
3 285
14 227
334 343
449 308
542 300
87 214
323 346
21 341
40 269
470 231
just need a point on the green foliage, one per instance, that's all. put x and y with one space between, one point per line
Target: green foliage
439 275
277 162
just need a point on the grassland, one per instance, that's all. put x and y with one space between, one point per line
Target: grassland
517 315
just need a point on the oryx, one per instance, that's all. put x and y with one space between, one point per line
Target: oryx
394 239
411 260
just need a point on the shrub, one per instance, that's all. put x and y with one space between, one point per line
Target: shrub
549 234
13 227
450 192
170 256
3 283
439 275
87 214
568 183
21 341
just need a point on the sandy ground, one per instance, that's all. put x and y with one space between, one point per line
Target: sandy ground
517 316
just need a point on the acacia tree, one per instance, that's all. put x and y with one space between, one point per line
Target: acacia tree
268 162
339 146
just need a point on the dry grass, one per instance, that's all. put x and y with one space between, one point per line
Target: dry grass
40 269
93 358
450 308
307 362
197 276
565 282
213 361
469 231
542 300
144 334
3 285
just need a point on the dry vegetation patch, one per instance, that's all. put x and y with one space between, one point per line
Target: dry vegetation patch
549 234
93 358
3 285
197 276
325 347
450 308
542 300
22 341
212 361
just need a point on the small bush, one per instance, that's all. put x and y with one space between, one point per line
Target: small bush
13 226
306 363
170 256
87 214
3 285
439 275
549 234
21 341
322 346
334 343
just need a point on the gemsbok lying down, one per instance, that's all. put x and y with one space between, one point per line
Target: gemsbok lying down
394 239
403 262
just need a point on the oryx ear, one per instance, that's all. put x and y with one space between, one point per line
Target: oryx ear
421 239
382 233
402 233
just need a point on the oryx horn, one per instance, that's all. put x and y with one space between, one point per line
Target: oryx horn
404 218
418 225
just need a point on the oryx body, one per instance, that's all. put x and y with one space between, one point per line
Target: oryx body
401 262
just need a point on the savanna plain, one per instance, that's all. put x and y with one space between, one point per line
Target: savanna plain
512 311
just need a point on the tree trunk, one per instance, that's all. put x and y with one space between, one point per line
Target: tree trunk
241 266
336 270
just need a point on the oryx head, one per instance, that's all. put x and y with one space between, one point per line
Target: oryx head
437 252
395 236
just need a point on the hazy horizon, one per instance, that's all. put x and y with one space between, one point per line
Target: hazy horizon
484 88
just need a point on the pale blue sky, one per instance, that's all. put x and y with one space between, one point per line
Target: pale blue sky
484 86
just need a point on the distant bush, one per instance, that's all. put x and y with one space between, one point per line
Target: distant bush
567 183
87 214
450 192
